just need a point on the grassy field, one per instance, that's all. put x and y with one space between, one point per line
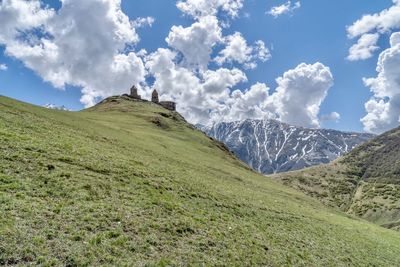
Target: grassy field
364 183
131 184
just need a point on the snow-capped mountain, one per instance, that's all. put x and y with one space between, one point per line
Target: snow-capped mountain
52 106
270 146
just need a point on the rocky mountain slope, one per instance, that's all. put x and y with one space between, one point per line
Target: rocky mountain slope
129 183
365 182
270 146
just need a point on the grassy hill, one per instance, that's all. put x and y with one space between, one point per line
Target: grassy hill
131 184
366 182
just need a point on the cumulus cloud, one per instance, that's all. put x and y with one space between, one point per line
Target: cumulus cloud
301 92
364 48
17 16
196 41
285 8
201 8
253 103
142 22
83 44
369 28
3 67
181 71
383 109
237 50
210 97
381 22
262 53
333 116
296 100
200 95
91 44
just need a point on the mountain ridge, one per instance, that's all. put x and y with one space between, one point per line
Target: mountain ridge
365 182
270 146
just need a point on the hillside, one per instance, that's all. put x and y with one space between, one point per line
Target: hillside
365 182
129 183
270 146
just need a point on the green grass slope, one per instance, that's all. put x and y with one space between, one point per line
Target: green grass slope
131 184
366 182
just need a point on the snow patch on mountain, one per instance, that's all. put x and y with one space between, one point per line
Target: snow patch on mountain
270 146
52 106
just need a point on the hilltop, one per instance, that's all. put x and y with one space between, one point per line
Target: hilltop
365 182
131 183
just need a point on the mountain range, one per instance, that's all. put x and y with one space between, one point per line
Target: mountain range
270 146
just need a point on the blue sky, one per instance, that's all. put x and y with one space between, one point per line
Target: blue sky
315 32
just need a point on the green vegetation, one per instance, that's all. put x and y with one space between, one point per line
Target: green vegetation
366 182
131 184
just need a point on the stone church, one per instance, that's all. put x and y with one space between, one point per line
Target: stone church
170 105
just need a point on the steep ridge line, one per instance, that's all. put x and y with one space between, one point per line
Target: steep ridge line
270 146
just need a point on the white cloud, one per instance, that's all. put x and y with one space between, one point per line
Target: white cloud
296 100
383 109
286 8
3 67
333 116
253 103
82 45
217 82
262 52
17 16
198 94
142 22
237 50
381 22
364 48
181 73
369 28
196 41
209 96
201 8
300 93
90 45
